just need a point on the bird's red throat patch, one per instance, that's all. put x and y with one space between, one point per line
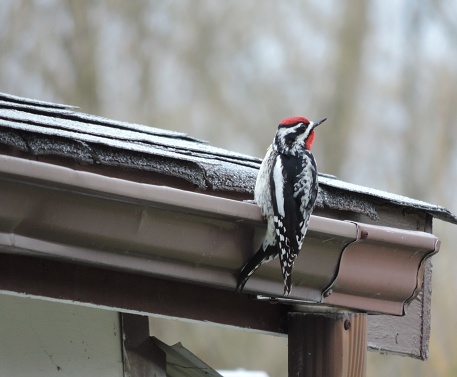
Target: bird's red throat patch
309 140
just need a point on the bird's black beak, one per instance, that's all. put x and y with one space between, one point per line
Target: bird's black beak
317 122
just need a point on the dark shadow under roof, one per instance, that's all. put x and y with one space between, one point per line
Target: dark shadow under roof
49 131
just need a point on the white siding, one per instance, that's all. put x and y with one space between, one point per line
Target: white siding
42 338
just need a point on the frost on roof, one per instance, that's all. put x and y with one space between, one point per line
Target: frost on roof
437 211
43 128
28 101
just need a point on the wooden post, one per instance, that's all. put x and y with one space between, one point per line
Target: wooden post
141 357
330 345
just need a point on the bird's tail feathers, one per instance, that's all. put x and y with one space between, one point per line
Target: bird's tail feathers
287 285
287 264
261 257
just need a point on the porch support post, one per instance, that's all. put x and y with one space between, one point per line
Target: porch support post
141 358
327 344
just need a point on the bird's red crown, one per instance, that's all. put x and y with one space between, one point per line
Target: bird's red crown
293 120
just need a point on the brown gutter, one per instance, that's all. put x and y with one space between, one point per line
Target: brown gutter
60 213
399 257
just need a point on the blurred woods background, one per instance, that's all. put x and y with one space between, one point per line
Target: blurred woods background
384 73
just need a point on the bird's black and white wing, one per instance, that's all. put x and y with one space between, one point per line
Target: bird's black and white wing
294 190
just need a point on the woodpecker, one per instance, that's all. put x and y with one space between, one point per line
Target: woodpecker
286 191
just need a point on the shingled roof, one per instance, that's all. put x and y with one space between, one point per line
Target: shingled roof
142 219
50 132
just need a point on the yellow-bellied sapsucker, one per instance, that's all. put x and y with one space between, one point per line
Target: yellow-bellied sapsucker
286 190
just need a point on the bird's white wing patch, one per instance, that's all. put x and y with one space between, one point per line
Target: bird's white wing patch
279 185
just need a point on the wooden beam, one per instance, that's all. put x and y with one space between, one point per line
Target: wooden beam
139 294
